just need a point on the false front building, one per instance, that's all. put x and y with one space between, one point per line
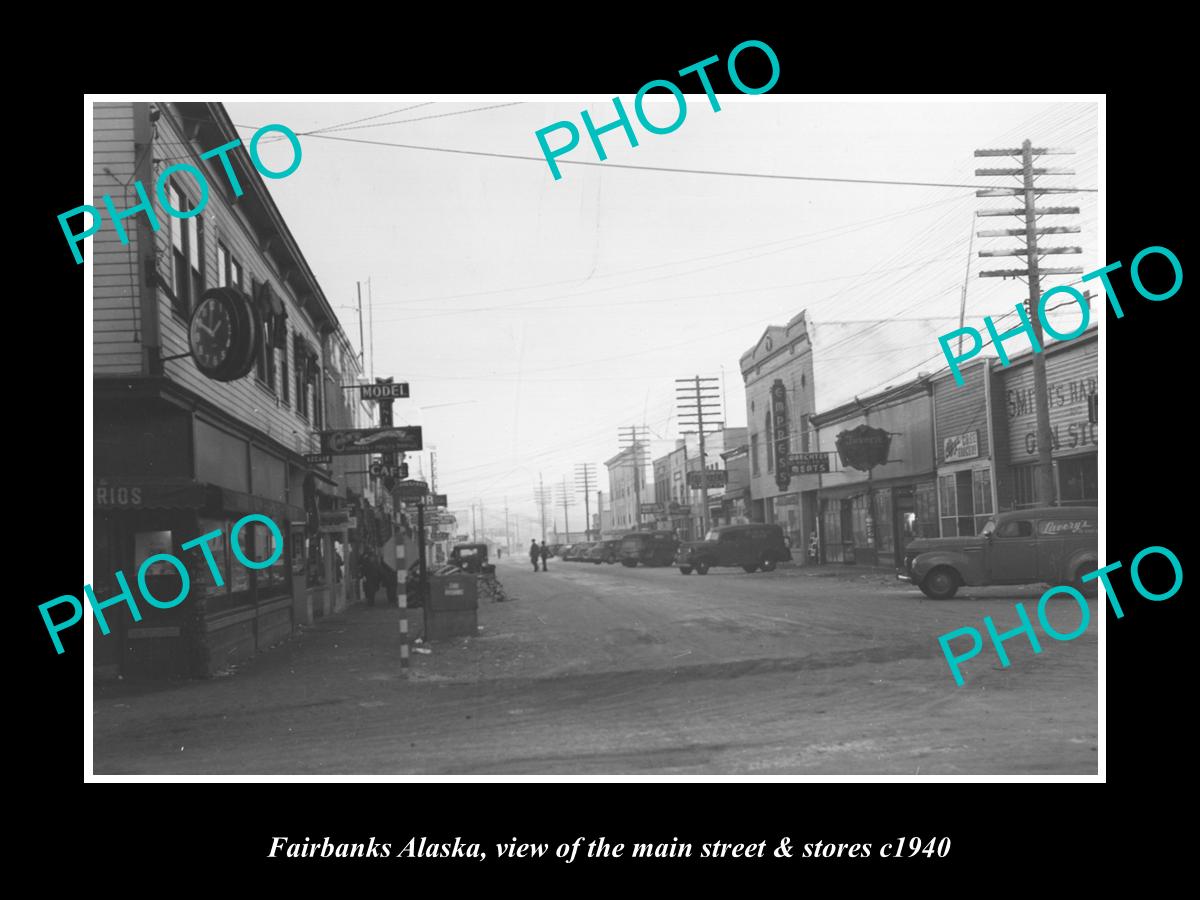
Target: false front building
181 448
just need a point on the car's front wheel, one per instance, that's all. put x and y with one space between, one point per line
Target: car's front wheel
749 569
940 584
685 570
629 563
768 564
701 568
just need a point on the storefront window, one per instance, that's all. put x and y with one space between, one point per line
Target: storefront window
239 575
925 501
831 530
948 492
203 581
883 521
1078 481
1025 486
982 484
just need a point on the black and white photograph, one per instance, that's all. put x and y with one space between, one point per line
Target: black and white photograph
702 432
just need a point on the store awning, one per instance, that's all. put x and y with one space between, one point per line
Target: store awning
184 493
153 493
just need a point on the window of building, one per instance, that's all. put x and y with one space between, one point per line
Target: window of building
1078 480
948 496
187 254
284 384
982 490
235 274
1025 485
222 265
754 454
300 361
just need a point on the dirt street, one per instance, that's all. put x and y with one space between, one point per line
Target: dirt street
607 670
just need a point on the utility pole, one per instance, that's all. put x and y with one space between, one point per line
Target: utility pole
691 400
585 477
371 314
633 437
432 471
474 539
566 499
541 497
361 348
1046 495
507 540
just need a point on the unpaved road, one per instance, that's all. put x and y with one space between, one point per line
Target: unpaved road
607 670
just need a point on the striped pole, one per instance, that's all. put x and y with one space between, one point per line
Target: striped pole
402 595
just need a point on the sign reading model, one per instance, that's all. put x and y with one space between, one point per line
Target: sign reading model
351 441
384 391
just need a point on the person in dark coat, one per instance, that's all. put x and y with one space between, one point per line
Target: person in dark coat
370 574
545 555
388 575
534 553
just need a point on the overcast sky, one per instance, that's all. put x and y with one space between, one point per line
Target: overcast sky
533 317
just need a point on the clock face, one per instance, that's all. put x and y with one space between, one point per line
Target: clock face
211 334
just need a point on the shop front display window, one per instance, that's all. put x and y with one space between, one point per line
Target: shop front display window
1078 479
948 494
204 583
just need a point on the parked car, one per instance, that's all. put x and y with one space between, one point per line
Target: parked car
752 547
650 548
604 552
1049 545
569 552
469 557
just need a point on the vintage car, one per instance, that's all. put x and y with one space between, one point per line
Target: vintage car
604 551
574 552
650 548
1048 545
752 547
469 557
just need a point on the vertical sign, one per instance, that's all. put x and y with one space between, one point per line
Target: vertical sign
779 417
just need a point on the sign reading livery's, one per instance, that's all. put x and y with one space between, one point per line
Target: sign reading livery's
352 441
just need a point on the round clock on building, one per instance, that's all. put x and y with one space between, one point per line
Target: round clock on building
223 334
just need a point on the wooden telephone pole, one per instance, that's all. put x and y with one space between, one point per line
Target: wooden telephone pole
1030 213
633 437
585 478
691 401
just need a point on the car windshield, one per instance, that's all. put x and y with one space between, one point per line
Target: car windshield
988 527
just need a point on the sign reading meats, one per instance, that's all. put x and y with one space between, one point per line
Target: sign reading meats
353 441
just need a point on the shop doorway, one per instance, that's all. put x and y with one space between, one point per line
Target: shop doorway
904 505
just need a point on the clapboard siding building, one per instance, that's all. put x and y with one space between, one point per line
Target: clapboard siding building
178 454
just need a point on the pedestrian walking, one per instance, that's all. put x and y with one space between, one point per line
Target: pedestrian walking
534 553
388 575
370 573
545 555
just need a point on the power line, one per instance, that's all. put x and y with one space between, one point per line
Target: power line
612 165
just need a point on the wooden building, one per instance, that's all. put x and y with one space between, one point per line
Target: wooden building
177 454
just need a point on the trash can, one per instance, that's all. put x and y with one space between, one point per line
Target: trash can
452 607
